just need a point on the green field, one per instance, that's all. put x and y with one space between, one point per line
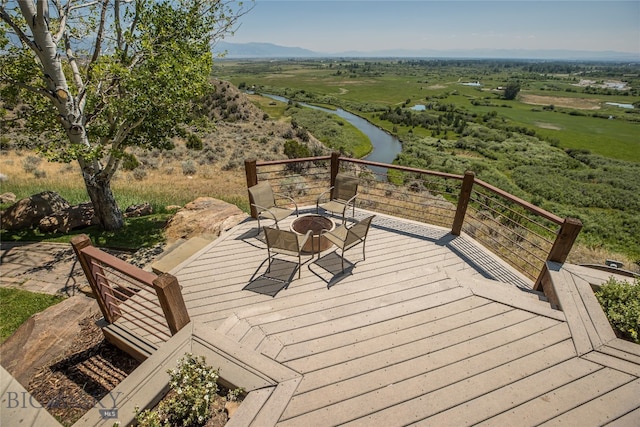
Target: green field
365 86
557 144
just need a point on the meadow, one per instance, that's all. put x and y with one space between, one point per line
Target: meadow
558 144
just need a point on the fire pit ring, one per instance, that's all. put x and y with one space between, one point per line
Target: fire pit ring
315 223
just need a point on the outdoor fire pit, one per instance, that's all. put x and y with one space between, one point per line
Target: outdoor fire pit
315 223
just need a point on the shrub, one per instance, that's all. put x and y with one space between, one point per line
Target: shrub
129 162
189 167
139 174
30 164
194 142
621 303
194 385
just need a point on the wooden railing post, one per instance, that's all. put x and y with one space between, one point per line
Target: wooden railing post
463 202
565 239
102 294
175 311
335 166
251 172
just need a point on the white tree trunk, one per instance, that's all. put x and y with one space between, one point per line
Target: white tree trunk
97 180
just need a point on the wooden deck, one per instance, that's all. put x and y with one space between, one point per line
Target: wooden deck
430 329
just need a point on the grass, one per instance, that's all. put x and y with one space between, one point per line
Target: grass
333 131
16 306
161 189
137 233
609 138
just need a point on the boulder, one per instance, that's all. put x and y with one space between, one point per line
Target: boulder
7 198
135 211
28 212
45 336
74 217
206 217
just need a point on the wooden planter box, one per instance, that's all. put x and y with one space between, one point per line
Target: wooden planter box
570 288
269 385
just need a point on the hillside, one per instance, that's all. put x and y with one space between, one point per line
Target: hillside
209 161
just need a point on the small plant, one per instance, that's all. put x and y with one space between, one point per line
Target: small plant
194 142
189 167
193 387
129 162
30 163
139 174
234 395
621 303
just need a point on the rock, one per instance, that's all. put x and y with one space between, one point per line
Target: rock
231 407
135 211
74 217
45 336
7 198
28 212
206 217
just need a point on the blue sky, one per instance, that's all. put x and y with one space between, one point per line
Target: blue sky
331 26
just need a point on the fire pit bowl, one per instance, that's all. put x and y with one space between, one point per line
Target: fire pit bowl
315 223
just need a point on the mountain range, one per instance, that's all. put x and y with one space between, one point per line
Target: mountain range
268 50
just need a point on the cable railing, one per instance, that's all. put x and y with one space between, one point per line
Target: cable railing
501 223
147 305
522 234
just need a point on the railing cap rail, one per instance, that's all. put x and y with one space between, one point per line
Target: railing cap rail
124 267
528 206
285 161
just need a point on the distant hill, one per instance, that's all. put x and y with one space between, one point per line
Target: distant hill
262 50
269 50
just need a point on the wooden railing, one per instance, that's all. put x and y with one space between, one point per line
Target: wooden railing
149 306
521 233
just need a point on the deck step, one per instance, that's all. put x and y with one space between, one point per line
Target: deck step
125 340
177 253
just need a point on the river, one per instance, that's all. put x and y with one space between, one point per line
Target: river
385 146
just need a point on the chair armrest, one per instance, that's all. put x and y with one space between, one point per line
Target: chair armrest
352 199
333 232
306 237
322 194
262 210
284 196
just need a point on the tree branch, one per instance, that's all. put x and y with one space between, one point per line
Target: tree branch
132 28
64 15
21 35
123 131
80 6
96 52
73 63
99 35
33 89
117 23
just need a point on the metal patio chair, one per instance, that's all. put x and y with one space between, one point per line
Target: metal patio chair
340 197
285 242
262 197
346 238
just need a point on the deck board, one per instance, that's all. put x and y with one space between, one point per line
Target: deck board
420 331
